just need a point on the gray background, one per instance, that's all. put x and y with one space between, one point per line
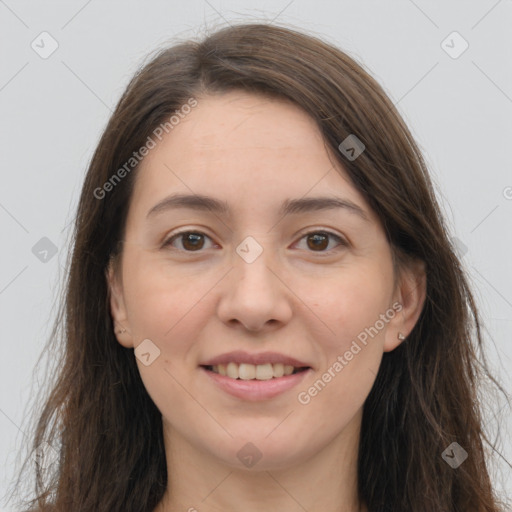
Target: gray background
54 109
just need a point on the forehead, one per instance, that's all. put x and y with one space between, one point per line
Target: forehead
235 123
246 148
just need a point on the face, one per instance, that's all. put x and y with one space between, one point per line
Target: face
272 278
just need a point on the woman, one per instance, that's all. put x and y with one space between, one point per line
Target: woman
264 310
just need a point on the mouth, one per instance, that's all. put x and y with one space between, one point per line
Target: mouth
255 383
245 371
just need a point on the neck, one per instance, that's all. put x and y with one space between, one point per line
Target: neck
319 481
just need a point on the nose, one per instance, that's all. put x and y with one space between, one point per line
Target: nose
254 295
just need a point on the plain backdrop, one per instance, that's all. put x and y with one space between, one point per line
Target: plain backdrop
446 66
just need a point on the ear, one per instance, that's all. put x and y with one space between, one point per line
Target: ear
410 297
117 306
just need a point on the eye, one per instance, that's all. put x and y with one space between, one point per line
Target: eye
192 241
319 240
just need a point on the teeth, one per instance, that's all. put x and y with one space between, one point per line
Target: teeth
246 371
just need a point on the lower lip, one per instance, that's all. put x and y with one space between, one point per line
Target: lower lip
256 390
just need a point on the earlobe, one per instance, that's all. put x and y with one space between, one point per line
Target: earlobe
410 294
117 308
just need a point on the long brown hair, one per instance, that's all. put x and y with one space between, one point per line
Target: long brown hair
99 417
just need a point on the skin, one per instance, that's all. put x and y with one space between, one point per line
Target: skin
307 302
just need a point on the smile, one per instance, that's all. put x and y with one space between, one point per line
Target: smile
245 371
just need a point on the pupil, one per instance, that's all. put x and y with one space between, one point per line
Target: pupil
318 238
194 238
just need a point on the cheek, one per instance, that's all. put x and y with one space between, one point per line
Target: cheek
169 309
160 301
356 309
351 304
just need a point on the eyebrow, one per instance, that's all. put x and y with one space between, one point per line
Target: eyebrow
289 206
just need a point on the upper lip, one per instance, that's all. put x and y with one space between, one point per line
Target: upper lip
239 356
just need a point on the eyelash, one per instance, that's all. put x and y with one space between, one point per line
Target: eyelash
338 238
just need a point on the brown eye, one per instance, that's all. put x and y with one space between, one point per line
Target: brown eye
191 241
318 241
